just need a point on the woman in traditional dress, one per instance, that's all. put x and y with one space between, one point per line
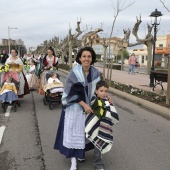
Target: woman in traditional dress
78 92
16 65
31 77
49 61
26 59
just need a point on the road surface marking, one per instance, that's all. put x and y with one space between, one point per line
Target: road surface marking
2 129
8 110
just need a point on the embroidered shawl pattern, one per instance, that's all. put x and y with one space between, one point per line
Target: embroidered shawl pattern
74 92
50 62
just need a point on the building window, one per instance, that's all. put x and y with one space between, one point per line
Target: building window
146 58
160 45
143 58
158 57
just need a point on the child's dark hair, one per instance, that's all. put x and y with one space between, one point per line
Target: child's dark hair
10 78
101 83
53 73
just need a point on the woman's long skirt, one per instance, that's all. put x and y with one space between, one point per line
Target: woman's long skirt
32 80
78 153
40 89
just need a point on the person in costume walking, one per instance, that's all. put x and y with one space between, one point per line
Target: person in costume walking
78 92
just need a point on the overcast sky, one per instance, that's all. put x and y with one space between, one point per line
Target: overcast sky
39 20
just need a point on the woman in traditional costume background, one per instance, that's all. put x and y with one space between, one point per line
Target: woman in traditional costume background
49 61
16 65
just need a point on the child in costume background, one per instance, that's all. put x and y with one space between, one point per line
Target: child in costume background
53 79
8 92
31 77
54 84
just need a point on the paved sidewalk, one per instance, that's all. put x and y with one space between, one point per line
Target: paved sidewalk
140 81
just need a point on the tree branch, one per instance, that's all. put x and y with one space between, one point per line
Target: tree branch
133 44
130 4
117 9
78 30
163 3
136 28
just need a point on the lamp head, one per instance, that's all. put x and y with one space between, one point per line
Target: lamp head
156 13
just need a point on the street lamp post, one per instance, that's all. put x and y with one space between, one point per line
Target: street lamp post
9 41
154 14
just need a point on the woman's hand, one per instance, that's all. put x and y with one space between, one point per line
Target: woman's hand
87 109
110 99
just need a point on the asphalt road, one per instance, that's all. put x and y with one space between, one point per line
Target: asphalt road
141 139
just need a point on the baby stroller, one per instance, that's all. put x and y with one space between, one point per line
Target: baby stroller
15 80
50 97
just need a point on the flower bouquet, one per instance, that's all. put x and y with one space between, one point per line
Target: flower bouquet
4 68
25 61
26 67
53 68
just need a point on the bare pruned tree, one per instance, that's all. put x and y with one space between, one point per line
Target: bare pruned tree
118 7
72 41
126 34
163 3
148 40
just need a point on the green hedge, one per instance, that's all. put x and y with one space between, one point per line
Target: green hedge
115 66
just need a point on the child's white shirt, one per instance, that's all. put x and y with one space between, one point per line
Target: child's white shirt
52 80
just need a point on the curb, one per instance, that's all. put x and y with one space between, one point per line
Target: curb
165 112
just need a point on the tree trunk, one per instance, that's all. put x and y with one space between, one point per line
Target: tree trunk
104 63
62 57
149 58
75 54
70 53
111 67
122 59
